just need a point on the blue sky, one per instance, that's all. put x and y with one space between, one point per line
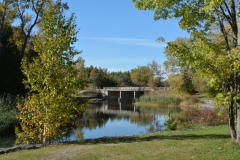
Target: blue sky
115 35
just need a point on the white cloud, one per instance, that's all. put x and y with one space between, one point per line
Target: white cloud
129 41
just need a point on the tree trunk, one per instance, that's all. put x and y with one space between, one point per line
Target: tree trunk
231 121
238 123
237 87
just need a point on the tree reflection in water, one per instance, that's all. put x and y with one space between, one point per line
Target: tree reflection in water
114 119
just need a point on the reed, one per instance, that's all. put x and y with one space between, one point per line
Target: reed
160 100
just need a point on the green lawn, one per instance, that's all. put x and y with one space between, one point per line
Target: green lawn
210 144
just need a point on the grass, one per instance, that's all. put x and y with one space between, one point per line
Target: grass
212 143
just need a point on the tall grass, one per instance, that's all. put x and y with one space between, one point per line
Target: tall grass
8 112
160 100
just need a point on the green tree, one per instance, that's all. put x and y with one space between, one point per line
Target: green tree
123 79
157 73
99 77
180 77
79 66
200 83
10 72
10 62
217 55
142 76
187 76
217 66
7 16
51 79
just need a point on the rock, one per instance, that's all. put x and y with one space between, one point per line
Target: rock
19 147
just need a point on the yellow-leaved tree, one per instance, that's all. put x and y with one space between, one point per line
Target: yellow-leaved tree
51 79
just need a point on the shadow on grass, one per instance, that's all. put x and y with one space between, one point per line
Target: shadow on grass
185 137
125 139
132 139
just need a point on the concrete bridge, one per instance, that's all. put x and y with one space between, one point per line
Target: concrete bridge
122 94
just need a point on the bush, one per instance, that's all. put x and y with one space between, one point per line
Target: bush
8 113
170 123
208 117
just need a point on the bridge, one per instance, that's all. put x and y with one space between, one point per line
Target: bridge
122 94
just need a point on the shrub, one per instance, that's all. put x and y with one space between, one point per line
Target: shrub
208 117
8 113
170 123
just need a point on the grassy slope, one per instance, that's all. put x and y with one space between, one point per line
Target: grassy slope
210 144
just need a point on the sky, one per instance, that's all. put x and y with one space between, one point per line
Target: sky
115 35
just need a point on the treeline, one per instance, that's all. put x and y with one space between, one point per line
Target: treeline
150 75
179 77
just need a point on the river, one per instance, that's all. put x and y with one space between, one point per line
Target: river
118 119
112 119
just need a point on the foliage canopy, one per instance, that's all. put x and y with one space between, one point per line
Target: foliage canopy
213 47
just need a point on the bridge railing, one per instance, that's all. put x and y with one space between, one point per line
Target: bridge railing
126 88
135 88
161 88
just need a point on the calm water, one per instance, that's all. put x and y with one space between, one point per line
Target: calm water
113 119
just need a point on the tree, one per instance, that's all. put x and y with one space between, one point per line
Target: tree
79 66
29 21
13 47
142 76
157 73
10 62
7 15
216 54
213 62
10 72
150 75
180 76
200 83
99 77
123 79
51 79
171 64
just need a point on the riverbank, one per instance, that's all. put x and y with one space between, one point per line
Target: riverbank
201 144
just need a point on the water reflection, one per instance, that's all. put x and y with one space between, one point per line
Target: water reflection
117 119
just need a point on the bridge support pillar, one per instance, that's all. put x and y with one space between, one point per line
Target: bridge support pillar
120 97
134 97
119 100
